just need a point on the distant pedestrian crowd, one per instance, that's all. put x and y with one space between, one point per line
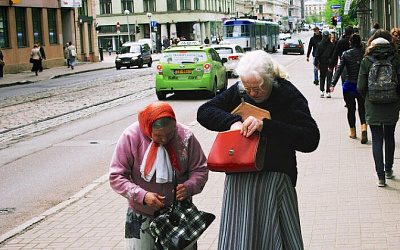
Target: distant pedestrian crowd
370 77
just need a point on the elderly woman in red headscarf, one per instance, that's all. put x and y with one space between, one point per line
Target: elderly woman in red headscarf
142 166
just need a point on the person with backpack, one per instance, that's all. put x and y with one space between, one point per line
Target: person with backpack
378 83
322 59
71 55
350 61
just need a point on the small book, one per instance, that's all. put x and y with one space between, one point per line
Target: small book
246 109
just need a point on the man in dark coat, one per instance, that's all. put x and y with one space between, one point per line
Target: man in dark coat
322 61
341 46
41 50
312 45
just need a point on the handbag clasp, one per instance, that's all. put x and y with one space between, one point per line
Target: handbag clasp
231 152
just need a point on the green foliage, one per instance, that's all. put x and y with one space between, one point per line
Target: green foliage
313 19
349 19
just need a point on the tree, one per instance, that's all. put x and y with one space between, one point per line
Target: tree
348 19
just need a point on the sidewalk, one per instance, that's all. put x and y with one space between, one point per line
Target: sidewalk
340 205
27 77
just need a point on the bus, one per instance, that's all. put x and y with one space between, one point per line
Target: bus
252 34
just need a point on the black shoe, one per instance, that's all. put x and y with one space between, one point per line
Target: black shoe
316 82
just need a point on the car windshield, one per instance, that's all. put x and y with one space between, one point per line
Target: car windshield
184 57
224 50
130 49
292 41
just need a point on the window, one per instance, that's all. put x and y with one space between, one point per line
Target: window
196 4
185 4
171 5
83 10
3 28
149 5
105 7
37 25
21 29
127 5
52 23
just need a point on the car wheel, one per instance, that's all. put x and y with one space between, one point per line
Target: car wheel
140 65
285 52
118 67
128 67
302 52
150 62
214 91
161 96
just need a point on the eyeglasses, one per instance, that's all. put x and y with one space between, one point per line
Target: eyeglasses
255 90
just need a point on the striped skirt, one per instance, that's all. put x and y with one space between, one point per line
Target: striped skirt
259 211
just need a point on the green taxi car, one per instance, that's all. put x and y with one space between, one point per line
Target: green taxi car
190 66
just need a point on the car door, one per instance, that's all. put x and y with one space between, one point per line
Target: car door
219 68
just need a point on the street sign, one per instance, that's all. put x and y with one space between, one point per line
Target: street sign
347 7
339 19
335 6
153 24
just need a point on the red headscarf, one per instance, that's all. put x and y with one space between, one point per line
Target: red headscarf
147 117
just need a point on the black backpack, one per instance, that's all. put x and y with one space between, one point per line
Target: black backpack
382 81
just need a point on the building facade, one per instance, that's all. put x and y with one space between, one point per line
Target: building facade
119 21
48 22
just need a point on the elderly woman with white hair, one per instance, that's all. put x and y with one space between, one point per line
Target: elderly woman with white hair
381 117
260 209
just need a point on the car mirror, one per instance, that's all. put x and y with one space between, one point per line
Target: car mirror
224 60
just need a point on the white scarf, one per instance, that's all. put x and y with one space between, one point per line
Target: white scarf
162 166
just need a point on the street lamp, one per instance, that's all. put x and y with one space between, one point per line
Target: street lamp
149 16
126 12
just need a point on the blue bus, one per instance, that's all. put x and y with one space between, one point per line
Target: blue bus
252 34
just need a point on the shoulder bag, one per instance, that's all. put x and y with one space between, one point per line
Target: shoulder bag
179 225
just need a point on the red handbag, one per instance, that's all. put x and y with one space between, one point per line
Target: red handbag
235 153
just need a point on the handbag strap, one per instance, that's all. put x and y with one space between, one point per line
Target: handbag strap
175 181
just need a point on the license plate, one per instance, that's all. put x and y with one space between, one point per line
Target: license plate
182 71
292 46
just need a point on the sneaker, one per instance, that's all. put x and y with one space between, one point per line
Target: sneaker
316 82
389 174
328 95
322 94
381 183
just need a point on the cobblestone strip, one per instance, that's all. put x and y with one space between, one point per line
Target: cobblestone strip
28 119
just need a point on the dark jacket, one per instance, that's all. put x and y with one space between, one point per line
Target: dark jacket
42 52
290 129
312 45
341 46
324 53
351 60
377 114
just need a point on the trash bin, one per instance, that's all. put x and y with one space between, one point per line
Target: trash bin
101 54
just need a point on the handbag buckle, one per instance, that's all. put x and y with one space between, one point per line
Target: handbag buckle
231 152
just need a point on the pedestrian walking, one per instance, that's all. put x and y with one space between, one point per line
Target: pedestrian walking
322 60
351 60
66 54
378 84
71 55
2 63
312 46
35 59
260 209
43 56
109 48
142 167
341 46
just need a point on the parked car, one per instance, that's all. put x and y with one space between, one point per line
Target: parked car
133 54
190 66
284 36
293 46
232 52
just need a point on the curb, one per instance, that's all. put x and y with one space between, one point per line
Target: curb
76 197
52 77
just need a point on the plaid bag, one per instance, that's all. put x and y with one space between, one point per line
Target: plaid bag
180 225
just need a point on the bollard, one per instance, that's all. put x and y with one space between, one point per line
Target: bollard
101 54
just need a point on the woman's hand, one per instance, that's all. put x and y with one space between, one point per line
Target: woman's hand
181 192
154 200
250 125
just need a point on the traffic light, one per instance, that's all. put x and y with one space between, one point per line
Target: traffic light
137 29
334 20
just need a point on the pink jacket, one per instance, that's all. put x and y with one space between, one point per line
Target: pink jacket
125 177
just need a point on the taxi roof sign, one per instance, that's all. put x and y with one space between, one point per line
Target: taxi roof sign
189 43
